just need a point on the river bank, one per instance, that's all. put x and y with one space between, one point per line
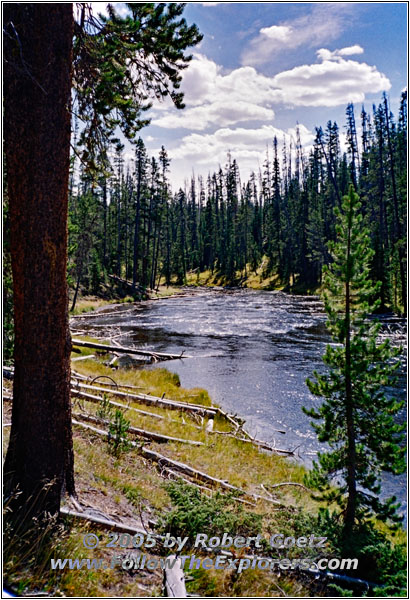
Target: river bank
137 491
252 350
249 279
129 488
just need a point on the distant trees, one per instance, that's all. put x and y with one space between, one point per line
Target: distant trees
283 216
356 418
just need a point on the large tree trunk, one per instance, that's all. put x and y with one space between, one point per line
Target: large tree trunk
37 87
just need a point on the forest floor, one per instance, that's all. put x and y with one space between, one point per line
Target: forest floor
141 490
126 487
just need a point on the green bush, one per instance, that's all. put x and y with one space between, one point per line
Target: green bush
196 513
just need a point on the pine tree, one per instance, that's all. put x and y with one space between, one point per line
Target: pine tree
357 419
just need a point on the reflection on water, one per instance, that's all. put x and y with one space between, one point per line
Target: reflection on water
252 351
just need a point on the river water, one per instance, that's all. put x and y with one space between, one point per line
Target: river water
252 351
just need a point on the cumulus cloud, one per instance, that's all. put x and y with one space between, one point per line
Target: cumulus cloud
278 33
324 54
247 144
216 99
215 113
329 83
324 22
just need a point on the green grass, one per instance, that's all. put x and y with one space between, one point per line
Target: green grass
132 487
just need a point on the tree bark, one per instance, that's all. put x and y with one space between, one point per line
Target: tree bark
37 87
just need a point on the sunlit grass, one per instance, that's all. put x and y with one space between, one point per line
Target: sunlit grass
131 485
88 304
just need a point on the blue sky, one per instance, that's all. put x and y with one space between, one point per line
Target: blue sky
264 67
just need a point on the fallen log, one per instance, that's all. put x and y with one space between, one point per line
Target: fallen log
128 284
104 523
98 400
178 476
276 485
229 418
153 400
182 467
255 442
174 579
109 348
202 487
82 357
150 435
195 474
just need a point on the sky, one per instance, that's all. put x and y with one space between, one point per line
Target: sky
264 67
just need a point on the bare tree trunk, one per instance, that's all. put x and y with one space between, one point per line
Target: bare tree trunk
37 86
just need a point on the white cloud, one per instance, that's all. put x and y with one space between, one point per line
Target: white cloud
329 83
247 144
215 99
324 54
279 33
249 147
324 23
356 49
217 113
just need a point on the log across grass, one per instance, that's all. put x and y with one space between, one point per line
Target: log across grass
132 488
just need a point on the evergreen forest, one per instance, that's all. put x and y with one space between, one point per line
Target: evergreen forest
90 224
129 223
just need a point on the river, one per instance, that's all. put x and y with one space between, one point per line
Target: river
252 351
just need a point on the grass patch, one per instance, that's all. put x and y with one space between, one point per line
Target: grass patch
88 304
138 491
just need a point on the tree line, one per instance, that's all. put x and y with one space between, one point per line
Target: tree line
128 222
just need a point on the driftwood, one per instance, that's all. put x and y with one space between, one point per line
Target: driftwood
78 375
104 523
275 485
195 474
150 435
182 467
178 476
104 313
98 400
155 401
230 419
202 487
121 349
255 442
174 580
82 357
115 385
